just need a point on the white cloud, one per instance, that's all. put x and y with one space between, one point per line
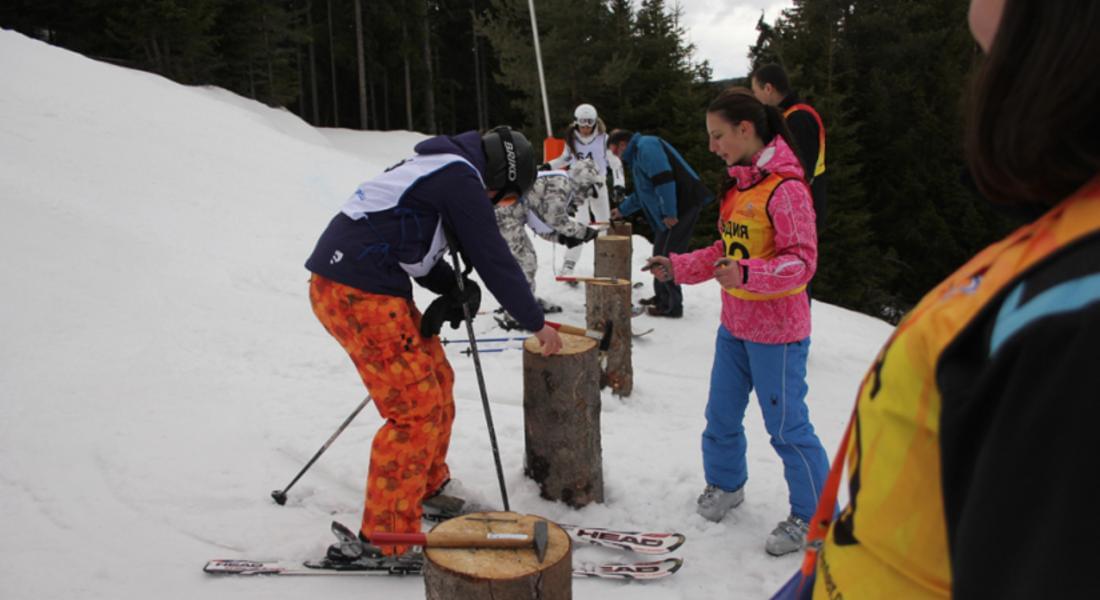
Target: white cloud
723 31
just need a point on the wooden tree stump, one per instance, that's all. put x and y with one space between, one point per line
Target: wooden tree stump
623 228
499 574
561 420
611 302
613 254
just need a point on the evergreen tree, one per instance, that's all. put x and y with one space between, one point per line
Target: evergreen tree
886 75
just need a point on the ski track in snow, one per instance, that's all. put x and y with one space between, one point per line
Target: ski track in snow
162 371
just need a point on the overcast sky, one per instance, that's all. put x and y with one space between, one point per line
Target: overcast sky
722 31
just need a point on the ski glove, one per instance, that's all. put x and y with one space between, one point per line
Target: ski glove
448 308
569 242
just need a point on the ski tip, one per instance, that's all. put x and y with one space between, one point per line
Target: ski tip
680 539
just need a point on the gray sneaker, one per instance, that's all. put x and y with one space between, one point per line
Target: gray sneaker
789 536
714 502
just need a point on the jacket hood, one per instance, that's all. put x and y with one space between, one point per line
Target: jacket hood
467 145
776 157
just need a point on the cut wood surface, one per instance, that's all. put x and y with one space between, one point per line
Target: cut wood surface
570 344
499 574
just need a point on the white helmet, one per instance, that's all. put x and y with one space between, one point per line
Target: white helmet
585 114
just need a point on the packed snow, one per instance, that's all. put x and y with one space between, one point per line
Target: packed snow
162 372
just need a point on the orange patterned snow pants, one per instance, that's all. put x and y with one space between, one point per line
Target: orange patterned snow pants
411 383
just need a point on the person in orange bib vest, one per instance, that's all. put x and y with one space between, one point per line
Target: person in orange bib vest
766 254
971 450
771 86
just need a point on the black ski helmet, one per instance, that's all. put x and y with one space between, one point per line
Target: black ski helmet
509 162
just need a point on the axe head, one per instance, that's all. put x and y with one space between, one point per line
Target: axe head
542 539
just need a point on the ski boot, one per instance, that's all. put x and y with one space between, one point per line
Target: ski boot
789 536
505 320
714 502
548 307
442 505
567 271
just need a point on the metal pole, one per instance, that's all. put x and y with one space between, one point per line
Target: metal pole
538 61
280 495
480 376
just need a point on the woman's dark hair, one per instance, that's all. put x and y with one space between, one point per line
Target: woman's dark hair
736 104
1033 135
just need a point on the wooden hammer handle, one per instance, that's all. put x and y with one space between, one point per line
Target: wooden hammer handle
562 327
454 540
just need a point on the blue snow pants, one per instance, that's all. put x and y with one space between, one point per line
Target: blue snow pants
778 374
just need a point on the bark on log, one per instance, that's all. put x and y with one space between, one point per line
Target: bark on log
611 302
561 417
499 574
613 254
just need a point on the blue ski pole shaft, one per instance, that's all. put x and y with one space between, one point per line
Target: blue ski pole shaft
470 352
485 340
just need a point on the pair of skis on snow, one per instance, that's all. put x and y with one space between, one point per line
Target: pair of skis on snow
648 544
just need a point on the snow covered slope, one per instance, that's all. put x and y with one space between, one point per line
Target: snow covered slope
161 371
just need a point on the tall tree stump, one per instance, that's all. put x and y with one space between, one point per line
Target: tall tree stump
606 301
623 228
561 420
613 254
499 573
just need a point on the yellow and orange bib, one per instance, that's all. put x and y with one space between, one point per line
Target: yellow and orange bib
819 166
747 230
891 540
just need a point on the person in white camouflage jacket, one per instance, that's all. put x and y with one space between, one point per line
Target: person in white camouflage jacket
547 208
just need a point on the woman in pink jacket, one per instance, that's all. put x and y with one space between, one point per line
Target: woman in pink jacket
765 257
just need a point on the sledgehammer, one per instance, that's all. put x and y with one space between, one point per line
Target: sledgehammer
538 539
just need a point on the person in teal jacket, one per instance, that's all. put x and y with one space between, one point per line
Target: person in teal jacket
668 192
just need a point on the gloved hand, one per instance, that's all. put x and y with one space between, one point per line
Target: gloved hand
569 242
448 308
618 193
545 166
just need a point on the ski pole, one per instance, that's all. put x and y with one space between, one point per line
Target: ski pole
477 368
484 340
469 352
280 495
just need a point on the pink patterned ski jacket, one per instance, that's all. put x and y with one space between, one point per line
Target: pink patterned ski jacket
779 320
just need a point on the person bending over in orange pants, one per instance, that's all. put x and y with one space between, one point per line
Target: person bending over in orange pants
395 229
